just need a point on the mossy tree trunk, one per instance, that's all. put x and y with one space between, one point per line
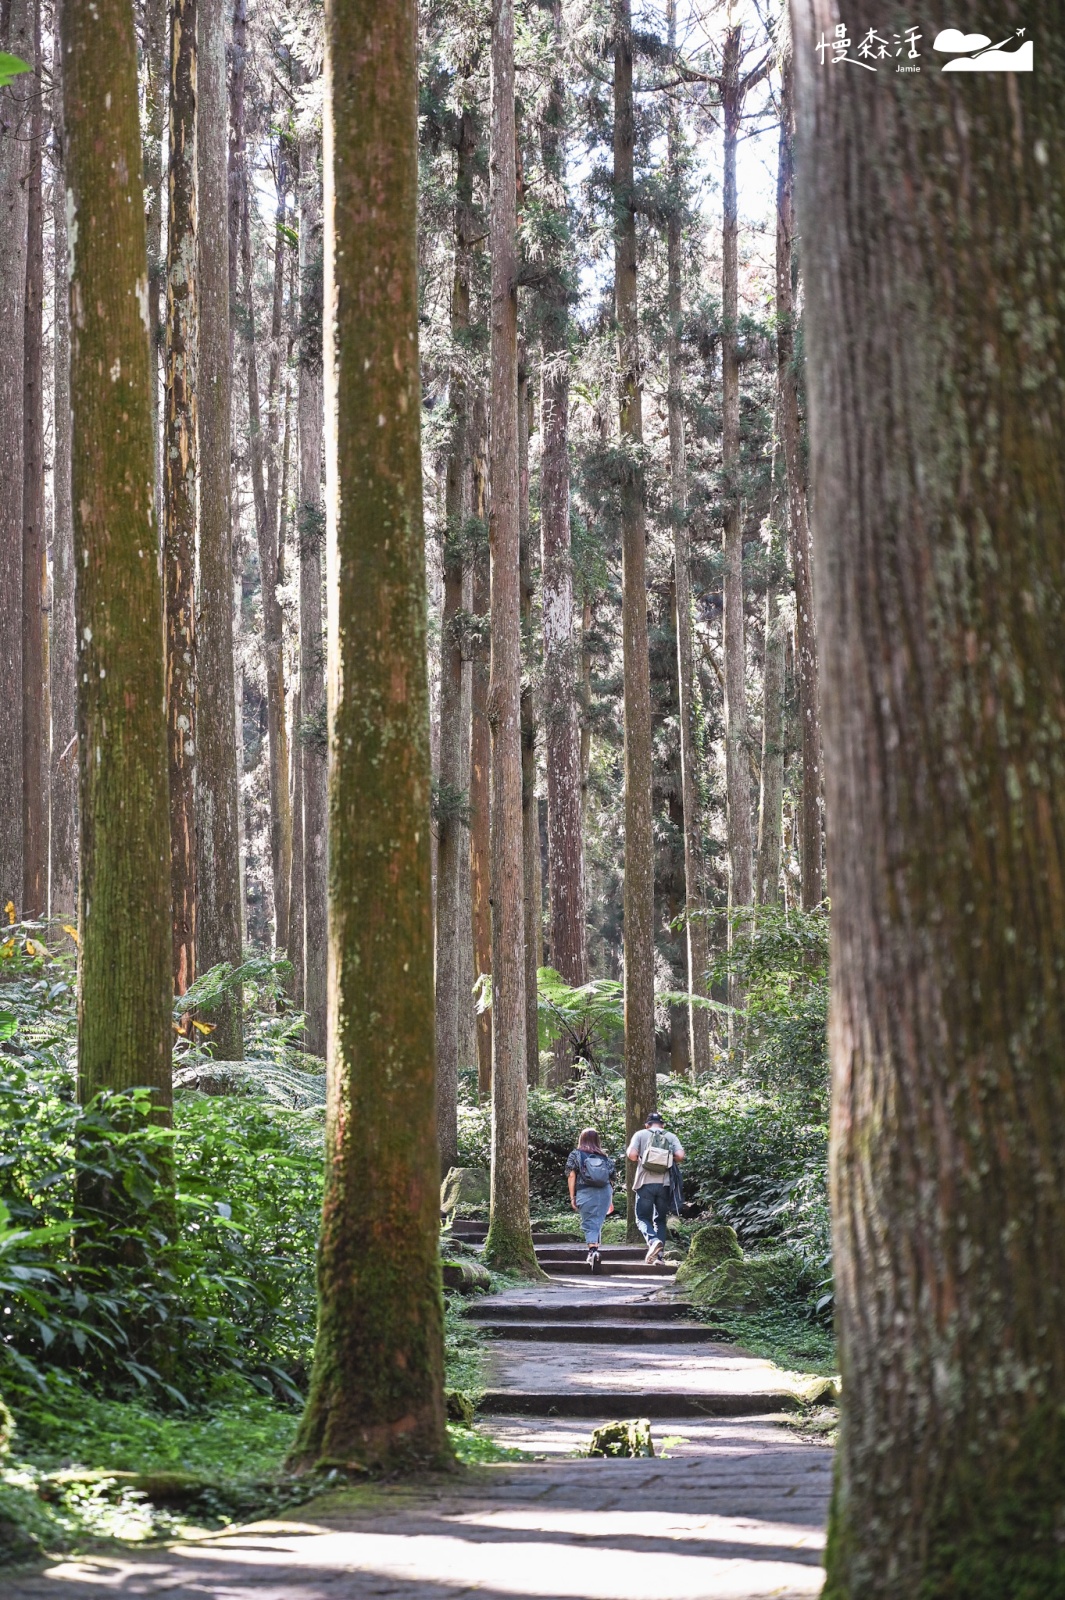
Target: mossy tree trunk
34 586
218 926
310 524
509 1241
179 486
376 1395
15 114
63 830
932 209
532 875
639 891
124 996
153 131
810 824
480 762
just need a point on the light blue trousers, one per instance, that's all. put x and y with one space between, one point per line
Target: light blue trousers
592 1206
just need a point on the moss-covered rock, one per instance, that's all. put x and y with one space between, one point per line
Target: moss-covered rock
460 1407
631 1438
710 1247
748 1285
468 1277
464 1187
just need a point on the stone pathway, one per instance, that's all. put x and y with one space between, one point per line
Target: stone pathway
733 1510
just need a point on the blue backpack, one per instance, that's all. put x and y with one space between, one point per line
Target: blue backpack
596 1171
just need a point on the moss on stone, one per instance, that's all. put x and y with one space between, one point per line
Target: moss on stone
463 1187
746 1284
468 1277
709 1248
631 1438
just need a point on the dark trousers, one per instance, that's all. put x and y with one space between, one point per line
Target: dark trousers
652 1202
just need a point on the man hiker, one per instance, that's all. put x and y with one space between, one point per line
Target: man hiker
655 1151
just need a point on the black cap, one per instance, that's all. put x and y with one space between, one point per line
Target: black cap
656 1116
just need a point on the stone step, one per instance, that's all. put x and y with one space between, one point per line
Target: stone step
620 1311
576 1266
623 1335
477 1233
579 1253
636 1403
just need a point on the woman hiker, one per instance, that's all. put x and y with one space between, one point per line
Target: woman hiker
656 1152
588 1172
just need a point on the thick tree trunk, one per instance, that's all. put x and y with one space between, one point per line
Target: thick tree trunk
63 830
932 218
530 808
737 768
376 1395
696 932
452 829
34 583
124 992
509 1240
798 520
310 528
640 1088
771 793
480 765
179 486
218 928
155 102
16 102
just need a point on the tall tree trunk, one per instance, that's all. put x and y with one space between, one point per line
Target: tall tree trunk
935 240
218 927
155 100
480 761
34 585
737 768
124 993
798 521
63 832
296 918
639 892
238 68
377 1385
16 103
179 486
452 830
530 809
509 1240
771 794
310 529
695 924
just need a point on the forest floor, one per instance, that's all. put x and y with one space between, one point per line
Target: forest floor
731 1507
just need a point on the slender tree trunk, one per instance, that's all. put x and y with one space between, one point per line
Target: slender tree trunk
639 908
935 240
452 829
63 832
480 764
238 67
218 929
771 795
34 583
16 103
798 521
509 1240
179 486
310 528
296 919
530 809
124 992
737 769
155 102
680 1065
273 617
696 932
376 1395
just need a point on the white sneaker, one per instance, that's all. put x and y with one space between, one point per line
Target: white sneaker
654 1250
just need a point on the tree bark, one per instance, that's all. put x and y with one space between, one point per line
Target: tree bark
452 828
509 1241
771 792
480 762
238 67
695 925
377 1385
935 234
155 103
810 833
15 111
296 917
310 528
737 771
124 992
218 925
639 894
179 486
530 809
63 831
34 581
273 616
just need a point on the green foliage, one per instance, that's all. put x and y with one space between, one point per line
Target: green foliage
11 67
782 959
